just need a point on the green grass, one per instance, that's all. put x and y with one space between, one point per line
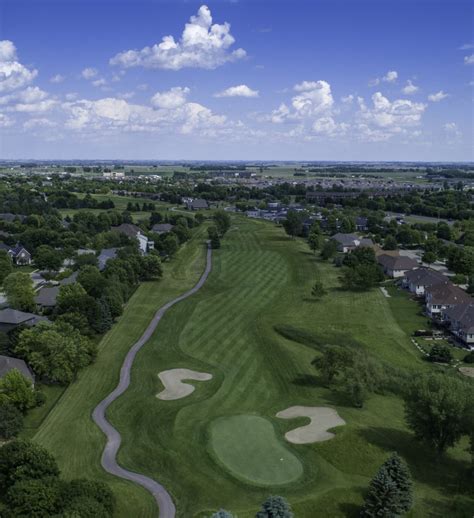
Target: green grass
255 327
248 448
68 431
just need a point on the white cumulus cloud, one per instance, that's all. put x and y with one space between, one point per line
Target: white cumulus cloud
58 78
202 45
238 91
410 88
13 74
438 96
469 60
390 77
89 73
172 98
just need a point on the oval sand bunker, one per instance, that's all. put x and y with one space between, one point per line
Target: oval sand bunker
175 388
322 419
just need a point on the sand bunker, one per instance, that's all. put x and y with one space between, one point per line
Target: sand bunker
175 388
467 371
322 419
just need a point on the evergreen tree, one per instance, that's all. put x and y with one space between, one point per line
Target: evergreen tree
275 507
383 497
400 474
103 319
222 513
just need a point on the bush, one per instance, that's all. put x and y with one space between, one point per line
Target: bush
440 353
11 421
469 358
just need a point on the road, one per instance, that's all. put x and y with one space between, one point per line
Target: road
109 455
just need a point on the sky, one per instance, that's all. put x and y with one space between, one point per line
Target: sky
237 80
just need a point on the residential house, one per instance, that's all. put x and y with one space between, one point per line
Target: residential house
460 319
417 281
440 297
162 228
396 266
12 318
18 253
197 204
105 255
362 224
348 242
45 298
134 232
10 218
7 364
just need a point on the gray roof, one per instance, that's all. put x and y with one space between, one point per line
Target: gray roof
425 277
128 229
161 228
46 297
8 216
69 280
15 317
7 363
447 293
463 314
397 262
105 255
352 240
199 204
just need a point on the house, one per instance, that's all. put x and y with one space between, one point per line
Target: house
440 297
134 232
105 255
460 319
396 266
197 204
162 228
10 218
12 318
362 224
18 253
348 242
113 175
45 299
7 364
69 280
417 281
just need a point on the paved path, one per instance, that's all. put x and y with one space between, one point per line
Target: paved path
109 455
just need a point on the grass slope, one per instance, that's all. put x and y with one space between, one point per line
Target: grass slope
68 431
254 327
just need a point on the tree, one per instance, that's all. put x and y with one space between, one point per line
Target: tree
19 291
100 317
356 390
17 390
222 221
390 243
332 362
382 498
46 258
293 224
429 257
314 240
400 474
435 407
275 507
170 244
90 278
24 460
361 277
329 250
73 298
11 421
214 237
440 353
34 497
318 290
151 267
6 266
56 352
80 490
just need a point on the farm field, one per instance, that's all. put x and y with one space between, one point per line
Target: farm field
71 416
254 327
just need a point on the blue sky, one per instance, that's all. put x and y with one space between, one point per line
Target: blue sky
242 79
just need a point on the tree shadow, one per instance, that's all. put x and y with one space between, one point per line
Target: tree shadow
349 510
307 380
444 472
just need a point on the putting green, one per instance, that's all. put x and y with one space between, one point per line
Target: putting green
248 447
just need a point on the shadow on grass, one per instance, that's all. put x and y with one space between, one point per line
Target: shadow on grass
444 473
350 510
307 380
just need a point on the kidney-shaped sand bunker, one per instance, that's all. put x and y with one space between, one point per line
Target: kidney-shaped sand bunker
175 388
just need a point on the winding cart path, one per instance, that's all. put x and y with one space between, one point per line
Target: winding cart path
109 455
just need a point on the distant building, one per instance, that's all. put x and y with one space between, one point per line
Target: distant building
18 253
134 232
348 242
46 297
197 204
396 266
113 175
417 281
105 255
162 228
10 218
12 318
7 364
362 224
